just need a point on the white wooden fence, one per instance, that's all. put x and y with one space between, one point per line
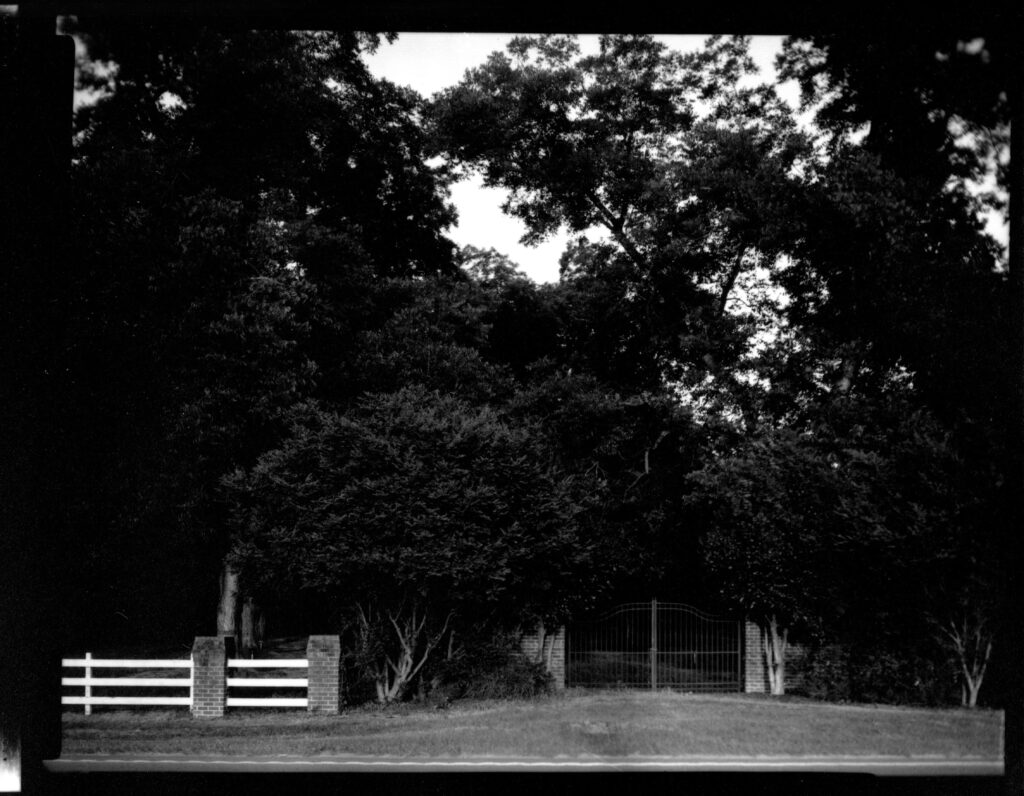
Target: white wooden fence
267 682
184 681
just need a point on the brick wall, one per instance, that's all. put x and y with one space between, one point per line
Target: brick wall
547 648
324 656
795 655
209 675
755 673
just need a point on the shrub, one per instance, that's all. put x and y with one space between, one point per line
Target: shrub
879 674
902 677
358 683
826 674
489 668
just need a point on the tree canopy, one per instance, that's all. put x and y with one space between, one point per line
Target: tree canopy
417 504
685 170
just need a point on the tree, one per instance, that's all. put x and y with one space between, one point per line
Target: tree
639 446
522 322
688 200
866 526
768 511
236 195
930 518
966 623
919 98
894 265
291 115
896 274
250 367
436 336
413 513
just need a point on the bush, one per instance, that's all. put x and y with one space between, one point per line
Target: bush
358 683
489 668
886 675
825 674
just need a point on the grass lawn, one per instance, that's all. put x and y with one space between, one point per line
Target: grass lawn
572 724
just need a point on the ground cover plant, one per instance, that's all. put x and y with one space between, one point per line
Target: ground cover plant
576 723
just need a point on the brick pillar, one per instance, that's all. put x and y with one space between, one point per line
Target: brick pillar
755 672
546 648
209 675
324 656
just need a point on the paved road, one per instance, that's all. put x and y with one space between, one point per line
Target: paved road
879 766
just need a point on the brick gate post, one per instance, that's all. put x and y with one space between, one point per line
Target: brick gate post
755 671
324 656
209 675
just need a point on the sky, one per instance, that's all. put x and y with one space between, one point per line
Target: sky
429 62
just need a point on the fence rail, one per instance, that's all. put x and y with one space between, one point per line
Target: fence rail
89 699
131 663
88 682
95 700
267 682
136 682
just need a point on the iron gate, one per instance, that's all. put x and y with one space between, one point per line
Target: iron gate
656 645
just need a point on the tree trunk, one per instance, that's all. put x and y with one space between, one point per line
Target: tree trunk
542 638
393 677
730 282
261 628
974 676
972 697
227 608
971 642
775 642
247 627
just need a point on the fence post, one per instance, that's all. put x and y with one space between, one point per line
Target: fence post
324 656
209 675
654 644
88 688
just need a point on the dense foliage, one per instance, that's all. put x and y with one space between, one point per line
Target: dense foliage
771 378
417 513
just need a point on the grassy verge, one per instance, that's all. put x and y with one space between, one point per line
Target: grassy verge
573 724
